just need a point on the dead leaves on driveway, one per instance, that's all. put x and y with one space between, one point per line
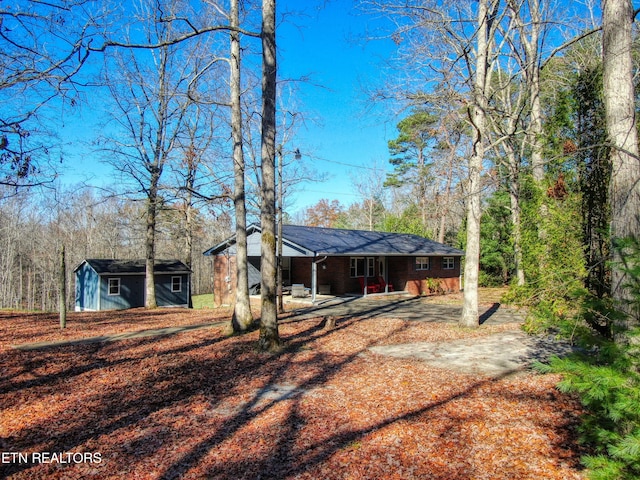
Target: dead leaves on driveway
202 405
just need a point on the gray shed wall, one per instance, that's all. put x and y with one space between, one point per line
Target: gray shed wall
165 297
131 292
92 291
86 288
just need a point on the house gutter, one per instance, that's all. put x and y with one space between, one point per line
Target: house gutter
314 277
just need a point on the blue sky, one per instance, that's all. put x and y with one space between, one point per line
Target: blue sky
350 134
342 135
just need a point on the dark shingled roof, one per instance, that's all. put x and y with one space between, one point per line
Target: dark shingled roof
334 241
112 266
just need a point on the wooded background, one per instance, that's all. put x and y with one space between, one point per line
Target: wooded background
502 136
32 229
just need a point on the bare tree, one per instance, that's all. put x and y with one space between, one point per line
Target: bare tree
43 46
618 16
269 336
510 99
370 187
149 88
242 316
528 17
529 32
448 164
458 48
62 288
188 171
487 11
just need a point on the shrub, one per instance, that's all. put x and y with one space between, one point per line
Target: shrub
606 377
608 384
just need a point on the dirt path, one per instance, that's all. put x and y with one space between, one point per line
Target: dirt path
155 332
494 355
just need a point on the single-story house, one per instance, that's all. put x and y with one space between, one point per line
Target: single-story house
337 261
108 284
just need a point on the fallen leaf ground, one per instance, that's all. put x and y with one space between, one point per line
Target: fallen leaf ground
200 404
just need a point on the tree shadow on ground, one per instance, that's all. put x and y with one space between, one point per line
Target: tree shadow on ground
159 392
486 315
29 327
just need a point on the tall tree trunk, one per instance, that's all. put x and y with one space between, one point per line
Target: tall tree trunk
621 129
444 208
516 220
188 226
62 289
150 246
242 317
532 71
514 199
280 212
188 220
470 317
269 336
155 166
529 32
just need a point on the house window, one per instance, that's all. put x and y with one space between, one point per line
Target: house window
371 267
176 284
422 263
114 286
357 267
448 263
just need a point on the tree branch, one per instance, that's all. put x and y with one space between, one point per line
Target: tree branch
174 41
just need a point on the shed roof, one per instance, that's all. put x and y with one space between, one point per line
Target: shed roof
104 266
334 241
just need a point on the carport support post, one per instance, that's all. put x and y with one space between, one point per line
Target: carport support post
385 262
314 279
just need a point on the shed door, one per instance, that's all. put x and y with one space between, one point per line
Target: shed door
138 291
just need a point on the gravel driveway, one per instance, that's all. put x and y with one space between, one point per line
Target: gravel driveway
403 307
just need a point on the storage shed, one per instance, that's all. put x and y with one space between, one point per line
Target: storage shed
109 284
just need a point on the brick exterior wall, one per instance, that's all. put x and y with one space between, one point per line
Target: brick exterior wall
335 271
404 275
224 292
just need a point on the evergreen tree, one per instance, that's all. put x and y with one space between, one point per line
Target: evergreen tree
594 169
496 245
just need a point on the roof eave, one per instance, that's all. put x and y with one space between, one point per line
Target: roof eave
390 254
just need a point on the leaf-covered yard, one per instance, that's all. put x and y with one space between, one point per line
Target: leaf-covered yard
199 404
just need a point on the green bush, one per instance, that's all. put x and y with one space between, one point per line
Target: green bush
608 384
606 377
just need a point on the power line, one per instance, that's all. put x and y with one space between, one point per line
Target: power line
330 193
375 169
